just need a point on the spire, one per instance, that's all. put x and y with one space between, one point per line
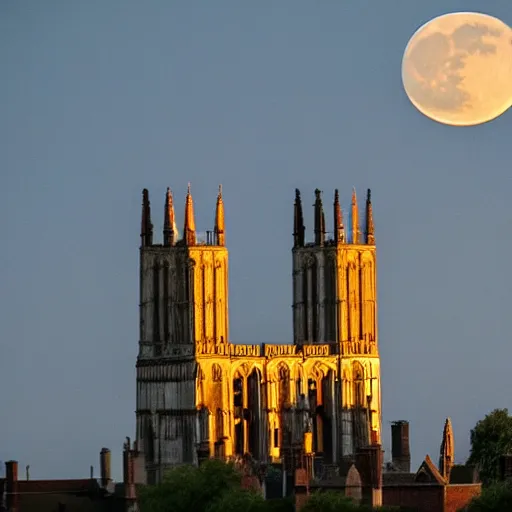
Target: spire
170 229
146 228
189 229
370 228
339 229
219 220
298 221
355 218
319 219
447 452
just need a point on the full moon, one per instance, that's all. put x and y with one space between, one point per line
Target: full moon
457 68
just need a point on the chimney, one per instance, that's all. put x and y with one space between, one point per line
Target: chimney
11 487
105 466
27 470
400 453
369 464
128 471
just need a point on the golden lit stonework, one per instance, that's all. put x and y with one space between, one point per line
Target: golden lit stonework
200 395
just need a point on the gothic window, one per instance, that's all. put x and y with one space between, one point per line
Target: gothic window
166 307
156 306
314 301
204 424
331 294
358 375
149 441
216 373
284 384
305 301
219 424
238 391
346 389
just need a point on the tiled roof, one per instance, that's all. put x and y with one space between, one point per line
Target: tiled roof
396 478
58 486
76 495
432 469
52 502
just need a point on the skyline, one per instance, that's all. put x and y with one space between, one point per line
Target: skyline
102 102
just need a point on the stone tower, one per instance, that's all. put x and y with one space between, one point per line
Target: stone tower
183 302
335 302
199 395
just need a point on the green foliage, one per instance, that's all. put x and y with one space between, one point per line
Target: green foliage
332 501
280 505
329 501
491 438
495 498
216 487
238 500
191 489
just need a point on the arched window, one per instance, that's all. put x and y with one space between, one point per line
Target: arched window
358 376
204 423
219 424
284 385
216 373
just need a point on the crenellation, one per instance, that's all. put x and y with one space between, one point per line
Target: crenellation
195 388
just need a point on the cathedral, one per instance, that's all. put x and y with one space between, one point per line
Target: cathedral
200 394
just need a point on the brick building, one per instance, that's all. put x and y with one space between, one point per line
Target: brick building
444 488
71 495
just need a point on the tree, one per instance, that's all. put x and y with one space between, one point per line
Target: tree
491 438
496 498
238 500
191 489
329 501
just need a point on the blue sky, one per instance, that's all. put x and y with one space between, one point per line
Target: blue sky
101 99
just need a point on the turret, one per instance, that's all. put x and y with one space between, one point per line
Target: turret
298 221
170 229
339 229
355 218
189 229
219 220
319 219
146 229
447 452
370 228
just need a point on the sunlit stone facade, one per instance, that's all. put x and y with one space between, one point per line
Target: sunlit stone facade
199 393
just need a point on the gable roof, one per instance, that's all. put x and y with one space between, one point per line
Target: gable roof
428 473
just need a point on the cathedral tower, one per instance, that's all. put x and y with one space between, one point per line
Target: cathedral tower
183 303
183 282
334 279
335 302
199 395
